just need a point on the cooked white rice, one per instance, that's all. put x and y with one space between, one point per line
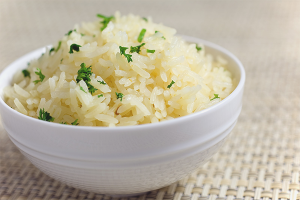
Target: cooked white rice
144 82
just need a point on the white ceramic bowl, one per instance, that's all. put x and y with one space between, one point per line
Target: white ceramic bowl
124 160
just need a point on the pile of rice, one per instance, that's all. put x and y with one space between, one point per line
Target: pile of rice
143 82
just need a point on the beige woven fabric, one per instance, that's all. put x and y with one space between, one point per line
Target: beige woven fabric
261 159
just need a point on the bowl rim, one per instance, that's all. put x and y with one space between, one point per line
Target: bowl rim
239 87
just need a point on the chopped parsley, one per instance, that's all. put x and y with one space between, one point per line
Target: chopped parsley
100 95
170 85
137 48
84 74
216 97
63 122
162 36
61 60
122 52
150 51
52 49
91 88
94 35
75 122
74 47
69 33
26 73
82 34
58 47
44 115
41 76
102 82
144 18
120 96
141 35
81 88
105 21
198 48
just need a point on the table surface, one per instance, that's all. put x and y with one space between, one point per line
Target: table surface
261 159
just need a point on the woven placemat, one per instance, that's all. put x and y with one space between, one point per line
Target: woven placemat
261 160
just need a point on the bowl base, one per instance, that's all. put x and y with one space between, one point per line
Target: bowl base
126 195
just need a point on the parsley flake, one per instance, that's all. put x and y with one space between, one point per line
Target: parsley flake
144 18
74 47
216 97
84 74
75 122
69 33
162 36
58 47
137 48
122 52
91 88
41 76
52 49
44 115
102 82
26 73
170 85
81 88
150 51
120 96
198 48
100 95
82 34
63 122
105 21
141 35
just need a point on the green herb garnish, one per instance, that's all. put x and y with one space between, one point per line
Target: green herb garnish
102 82
58 47
81 88
141 35
162 36
75 122
82 34
44 115
84 74
105 21
69 33
63 122
198 48
216 97
41 76
52 49
26 73
74 47
100 95
91 88
150 51
122 52
144 18
136 49
170 85
120 96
